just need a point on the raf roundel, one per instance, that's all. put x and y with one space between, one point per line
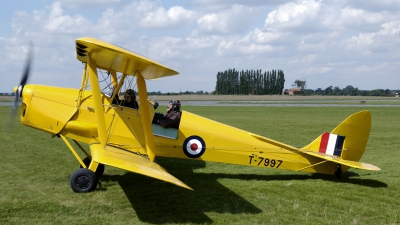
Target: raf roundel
194 147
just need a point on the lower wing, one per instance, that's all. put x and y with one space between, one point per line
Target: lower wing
129 161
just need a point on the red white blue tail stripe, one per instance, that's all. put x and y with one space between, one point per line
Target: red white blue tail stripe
331 144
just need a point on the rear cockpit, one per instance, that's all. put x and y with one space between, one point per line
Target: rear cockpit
170 132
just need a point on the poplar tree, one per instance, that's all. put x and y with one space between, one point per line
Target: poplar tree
255 82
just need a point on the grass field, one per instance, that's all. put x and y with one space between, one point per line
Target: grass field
6 98
34 186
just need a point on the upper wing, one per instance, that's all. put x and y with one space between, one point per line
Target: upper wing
132 162
113 58
353 164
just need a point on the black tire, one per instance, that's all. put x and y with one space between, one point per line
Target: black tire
86 161
100 168
83 180
338 172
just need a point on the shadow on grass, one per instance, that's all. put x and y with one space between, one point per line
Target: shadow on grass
159 202
288 177
346 178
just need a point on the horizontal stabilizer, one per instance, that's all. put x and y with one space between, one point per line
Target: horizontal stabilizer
129 161
352 164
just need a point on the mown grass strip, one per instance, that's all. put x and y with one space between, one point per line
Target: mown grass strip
36 169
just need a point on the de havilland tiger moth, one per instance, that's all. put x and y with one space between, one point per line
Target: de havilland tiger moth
127 138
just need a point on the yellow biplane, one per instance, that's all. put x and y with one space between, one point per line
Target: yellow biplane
126 138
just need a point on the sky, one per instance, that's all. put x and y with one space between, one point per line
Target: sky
326 43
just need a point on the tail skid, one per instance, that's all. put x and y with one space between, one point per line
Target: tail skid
345 144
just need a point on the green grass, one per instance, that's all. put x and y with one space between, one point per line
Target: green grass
393 101
35 170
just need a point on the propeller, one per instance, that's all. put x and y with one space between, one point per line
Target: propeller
25 76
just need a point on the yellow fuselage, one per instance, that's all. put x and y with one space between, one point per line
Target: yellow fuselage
60 111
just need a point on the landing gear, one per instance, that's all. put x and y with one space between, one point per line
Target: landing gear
83 180
338 172
100 167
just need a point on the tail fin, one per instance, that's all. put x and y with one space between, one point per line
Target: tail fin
347 141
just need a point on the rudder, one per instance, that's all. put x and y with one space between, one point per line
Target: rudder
348 140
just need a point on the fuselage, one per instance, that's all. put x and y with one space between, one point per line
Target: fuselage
70 112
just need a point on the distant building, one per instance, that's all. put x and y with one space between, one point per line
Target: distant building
294 91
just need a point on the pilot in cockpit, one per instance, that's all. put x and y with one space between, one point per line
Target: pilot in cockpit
173 116
128 101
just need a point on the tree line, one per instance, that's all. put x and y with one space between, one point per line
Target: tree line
349 90
249 82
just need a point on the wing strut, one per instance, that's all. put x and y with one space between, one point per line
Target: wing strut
83 86
145 116
98 106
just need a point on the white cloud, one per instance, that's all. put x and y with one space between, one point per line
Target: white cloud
293 15
307 59
362 40
307 48
390 28
358 18
79 4
202 42
234 20
218 5
57 22
391 6
329 42
143 15
164 48
265 37
315 70
126 19
232 48
373 68
175 17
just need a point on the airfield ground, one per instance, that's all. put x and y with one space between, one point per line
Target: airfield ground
255 98
6 98
34 182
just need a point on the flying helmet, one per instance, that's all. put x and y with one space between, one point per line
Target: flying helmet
176 104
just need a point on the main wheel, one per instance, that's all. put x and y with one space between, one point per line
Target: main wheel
83 180
100 167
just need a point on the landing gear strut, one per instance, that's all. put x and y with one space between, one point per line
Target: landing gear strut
100 167
338 172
